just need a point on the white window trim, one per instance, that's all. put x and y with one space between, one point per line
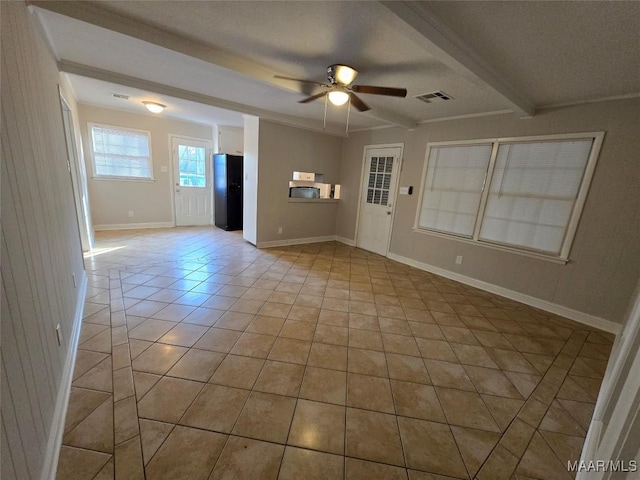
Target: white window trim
117 178
574 219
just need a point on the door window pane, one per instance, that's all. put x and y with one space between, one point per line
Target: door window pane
192 166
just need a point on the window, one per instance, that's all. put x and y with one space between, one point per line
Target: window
379 180
121 153
523 194
192 166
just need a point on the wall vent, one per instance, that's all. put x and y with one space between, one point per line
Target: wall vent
434 97
120 96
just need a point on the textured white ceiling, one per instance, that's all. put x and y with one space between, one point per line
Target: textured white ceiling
551 52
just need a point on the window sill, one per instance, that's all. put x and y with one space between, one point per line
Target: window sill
124 179
493 246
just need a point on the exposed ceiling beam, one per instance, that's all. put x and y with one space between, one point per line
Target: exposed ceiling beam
428 31
93 14
162 89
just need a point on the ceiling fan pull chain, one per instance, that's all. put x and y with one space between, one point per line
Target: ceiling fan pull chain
324 121
348 112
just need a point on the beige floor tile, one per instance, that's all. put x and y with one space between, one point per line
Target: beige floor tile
152 435
402 344
143 382
217 302
364 322
324 385
328 356
128 460
502 409
187 453
95 431
581 412
465 409
247 458
406 368
266 325
450 375
363 470
168 399
290 350
280 378
81 403
237 371
183 335
394 325
512 361
474 446
367 362
525 383
436 350
299 463
218 340
304 314
417 401
80 464
499 466
369 393
235 321
278 310
216 408
430 447
318 426
459 335
566 447
491 382
174 312
540 461
197 365
99 377
332 317
559 420
473 355
298 330
331 334
373 436
243 305
305 300
266 417
253 345
158 358
366 339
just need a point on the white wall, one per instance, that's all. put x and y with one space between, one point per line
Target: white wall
151 202
604 264
250 186
40 249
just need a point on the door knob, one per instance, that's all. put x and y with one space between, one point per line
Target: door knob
388 212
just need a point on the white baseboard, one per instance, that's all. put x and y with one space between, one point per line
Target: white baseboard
133 226
545 305
59 414
296 241
346 241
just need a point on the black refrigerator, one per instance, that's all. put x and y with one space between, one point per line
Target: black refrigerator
227 186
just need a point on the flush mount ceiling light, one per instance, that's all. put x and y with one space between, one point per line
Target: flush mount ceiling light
154 107
338 98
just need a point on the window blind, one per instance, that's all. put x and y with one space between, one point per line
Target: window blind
121 153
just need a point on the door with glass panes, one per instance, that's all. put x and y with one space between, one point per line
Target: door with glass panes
381 169
192 179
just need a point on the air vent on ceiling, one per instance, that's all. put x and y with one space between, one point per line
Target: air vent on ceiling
434 97
120 96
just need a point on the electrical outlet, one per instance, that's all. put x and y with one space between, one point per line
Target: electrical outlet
279 229
459 260
130 213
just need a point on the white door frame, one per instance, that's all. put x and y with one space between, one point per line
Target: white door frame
396 183
77 171
612 422
172 184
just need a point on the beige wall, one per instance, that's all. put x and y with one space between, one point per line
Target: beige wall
283 149
40 249
605 260
151 202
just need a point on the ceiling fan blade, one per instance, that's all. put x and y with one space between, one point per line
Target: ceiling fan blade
359 104
312 97
393 92
300 80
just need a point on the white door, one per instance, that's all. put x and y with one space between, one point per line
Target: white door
192 178
378 193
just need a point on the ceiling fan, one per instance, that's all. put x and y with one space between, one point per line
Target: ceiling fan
339 89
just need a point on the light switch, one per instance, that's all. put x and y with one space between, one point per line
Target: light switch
164 169
404 190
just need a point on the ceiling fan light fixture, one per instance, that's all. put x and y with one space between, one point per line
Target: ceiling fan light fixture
338 97
154 107
341 74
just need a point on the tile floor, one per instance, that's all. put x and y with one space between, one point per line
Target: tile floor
202 357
